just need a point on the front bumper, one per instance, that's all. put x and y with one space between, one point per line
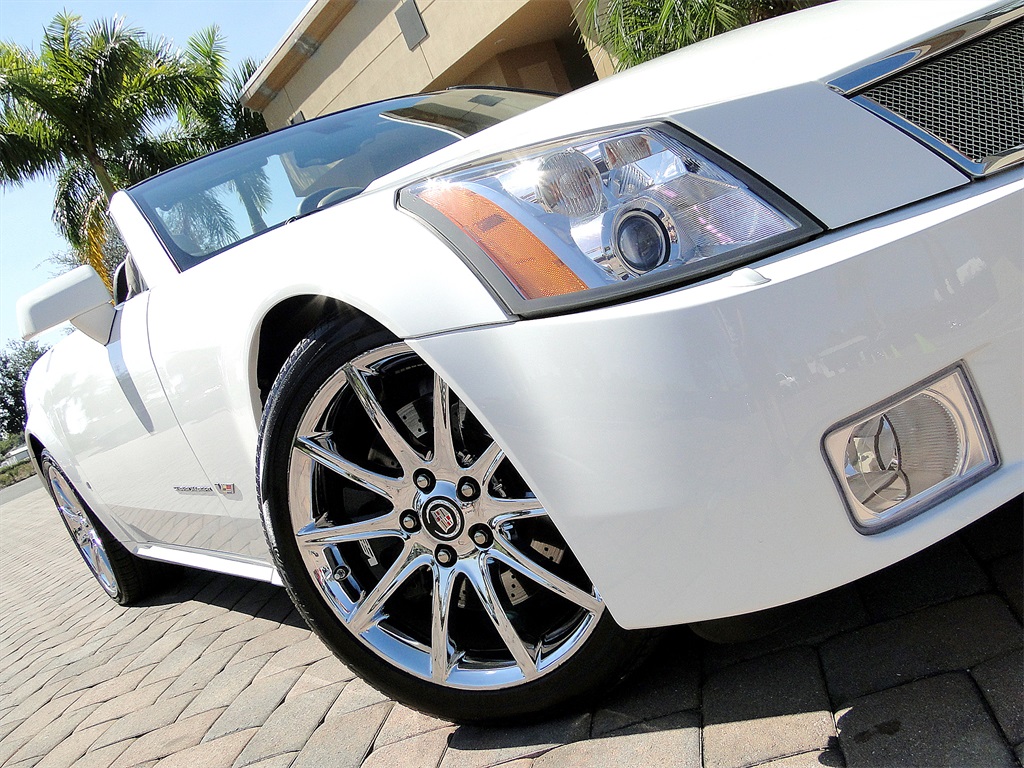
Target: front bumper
676 440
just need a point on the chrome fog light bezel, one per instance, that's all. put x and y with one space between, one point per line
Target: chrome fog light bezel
953 390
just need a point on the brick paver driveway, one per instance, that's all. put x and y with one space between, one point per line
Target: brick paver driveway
919 664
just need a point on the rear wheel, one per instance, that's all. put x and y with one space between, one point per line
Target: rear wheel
412 545
123 577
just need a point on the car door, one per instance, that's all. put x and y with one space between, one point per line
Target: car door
130 449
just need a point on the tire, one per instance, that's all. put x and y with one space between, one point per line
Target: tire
122 576
413 547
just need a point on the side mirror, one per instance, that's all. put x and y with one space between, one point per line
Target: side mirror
79 296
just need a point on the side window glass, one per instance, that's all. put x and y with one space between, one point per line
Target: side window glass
128 281
136 283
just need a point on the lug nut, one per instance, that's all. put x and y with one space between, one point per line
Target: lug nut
445 555
423 480
468 489
409 521
481 536
341 573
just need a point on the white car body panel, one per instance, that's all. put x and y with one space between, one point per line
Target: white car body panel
828 138
116 422
702 519
676 440
146 248
208 376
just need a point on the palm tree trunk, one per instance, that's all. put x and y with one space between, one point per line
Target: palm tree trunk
95 238
248 196
106 183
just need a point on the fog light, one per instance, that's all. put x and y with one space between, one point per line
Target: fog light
906 455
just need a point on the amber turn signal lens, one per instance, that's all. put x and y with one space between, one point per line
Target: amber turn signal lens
530 266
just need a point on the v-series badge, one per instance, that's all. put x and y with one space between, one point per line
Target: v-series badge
199 490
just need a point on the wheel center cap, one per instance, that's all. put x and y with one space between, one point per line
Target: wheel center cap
443 519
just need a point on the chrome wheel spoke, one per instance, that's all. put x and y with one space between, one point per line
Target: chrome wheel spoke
321 449
441 649
401 450
89 547
509 510
75 521
508 555
483 585
99 559
370 604
84 534
385 526
446 522
444 449
486 464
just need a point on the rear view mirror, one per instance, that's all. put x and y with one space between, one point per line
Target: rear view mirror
79 296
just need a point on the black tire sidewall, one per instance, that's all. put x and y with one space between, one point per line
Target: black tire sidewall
128 575
605 658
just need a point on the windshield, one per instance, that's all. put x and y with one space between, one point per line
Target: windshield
208 205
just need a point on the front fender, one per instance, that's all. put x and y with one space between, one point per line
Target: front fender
205 324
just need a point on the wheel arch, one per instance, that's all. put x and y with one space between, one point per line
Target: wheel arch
281 329
35 452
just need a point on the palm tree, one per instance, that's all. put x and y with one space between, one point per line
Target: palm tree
635 31
94 110
84 110
217 118
88 95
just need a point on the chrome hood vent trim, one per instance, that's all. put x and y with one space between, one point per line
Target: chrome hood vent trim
961 93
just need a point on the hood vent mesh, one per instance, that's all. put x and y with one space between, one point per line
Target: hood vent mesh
971 98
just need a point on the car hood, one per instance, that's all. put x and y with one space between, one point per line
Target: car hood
811 46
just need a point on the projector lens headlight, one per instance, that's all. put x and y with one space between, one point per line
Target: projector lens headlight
640 241
603 215
911 454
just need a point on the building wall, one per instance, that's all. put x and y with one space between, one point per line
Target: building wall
364 56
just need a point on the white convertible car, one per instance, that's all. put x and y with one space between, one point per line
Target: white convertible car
522 378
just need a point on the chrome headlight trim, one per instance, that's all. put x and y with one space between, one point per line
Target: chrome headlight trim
804 227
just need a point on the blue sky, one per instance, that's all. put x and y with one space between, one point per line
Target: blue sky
27 237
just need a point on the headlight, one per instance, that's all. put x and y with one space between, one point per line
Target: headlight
589 219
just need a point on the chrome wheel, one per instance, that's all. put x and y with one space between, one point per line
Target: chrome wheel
420 536
83 532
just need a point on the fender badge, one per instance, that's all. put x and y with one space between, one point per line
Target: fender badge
226 488
193 489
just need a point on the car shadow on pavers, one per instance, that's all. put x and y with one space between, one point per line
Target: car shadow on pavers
919 664
653 719
915 665
220 591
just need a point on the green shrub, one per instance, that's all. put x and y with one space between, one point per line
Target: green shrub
12 474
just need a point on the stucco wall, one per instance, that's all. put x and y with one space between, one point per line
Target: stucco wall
520 43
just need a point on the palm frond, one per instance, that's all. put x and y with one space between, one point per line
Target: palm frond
158 153
76 194
201 224
635 31
29 146
113 249
88 109
206 49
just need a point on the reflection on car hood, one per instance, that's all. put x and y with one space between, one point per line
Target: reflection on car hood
815 45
